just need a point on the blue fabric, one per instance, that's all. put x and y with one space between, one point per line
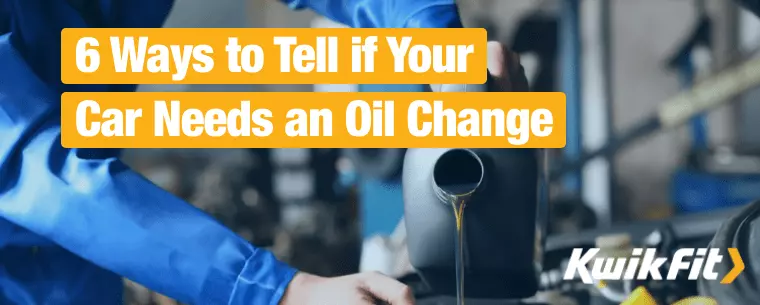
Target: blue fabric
72 221
386 13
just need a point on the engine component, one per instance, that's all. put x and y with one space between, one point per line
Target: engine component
613 246
570 214
698 300
640 296
739 232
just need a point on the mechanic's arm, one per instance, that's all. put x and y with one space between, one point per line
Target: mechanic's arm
91 203
99 209
385 13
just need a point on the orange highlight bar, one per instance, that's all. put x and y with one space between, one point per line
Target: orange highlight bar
273 56
313 120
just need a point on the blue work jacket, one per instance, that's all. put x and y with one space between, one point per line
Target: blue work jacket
74 221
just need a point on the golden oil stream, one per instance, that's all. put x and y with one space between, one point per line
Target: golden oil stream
458 197
458 205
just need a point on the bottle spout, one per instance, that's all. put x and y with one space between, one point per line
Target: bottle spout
457 174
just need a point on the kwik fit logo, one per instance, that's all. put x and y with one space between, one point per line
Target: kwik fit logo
644 264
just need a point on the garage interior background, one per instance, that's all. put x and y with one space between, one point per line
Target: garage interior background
624 47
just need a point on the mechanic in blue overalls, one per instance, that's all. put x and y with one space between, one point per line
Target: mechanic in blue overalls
74 221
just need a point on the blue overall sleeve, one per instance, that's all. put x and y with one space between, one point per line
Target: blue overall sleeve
89 202
385 13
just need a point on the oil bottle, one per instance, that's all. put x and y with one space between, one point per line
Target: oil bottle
456 190
477 215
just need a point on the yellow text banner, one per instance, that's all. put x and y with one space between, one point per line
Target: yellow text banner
313 120
273 56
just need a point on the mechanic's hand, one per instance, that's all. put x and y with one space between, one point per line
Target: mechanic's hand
504 66
369 288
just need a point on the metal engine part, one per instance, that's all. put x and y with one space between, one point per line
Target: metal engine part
739 231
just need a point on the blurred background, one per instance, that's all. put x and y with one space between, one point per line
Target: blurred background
323 210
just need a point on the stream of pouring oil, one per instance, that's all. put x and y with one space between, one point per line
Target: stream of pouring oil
460 194
458 206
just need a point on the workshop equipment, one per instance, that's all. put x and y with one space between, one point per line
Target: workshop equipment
640 296
570 214
570 51
704 96
693 60
711 178
738 232
696 190
612 246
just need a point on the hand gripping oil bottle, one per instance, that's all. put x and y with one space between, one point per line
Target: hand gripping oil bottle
475 218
